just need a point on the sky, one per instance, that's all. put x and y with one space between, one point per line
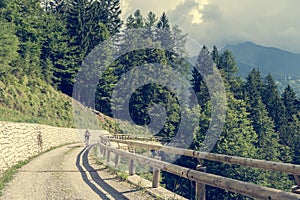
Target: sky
272 23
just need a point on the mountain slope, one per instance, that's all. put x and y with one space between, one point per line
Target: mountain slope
283 65
24 99
267 59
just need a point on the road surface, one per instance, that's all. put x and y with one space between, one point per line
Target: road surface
67 173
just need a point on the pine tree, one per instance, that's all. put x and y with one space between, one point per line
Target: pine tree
268 144
227 63
138 19
84 32
179 40
238 139
110 15
84 27
28 18
293 137
290 102
204 63
291 130
130 23
151 20
153 94
135 21
268 138
164 32
196 81
163 22
273 102
9 45
275 107
253 86
216 56
51 46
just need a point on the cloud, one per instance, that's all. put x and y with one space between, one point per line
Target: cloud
268 22
125 5
220 22
157 6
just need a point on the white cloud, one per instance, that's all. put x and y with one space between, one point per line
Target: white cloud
268 22
197 11
125 5
157 6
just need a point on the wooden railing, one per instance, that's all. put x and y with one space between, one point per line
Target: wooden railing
248 162
201 178
139 138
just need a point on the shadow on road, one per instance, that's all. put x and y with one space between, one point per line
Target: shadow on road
96 178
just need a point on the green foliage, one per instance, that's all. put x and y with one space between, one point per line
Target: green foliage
110 12
238 138
123 176
268 138
145 97
42 48
294 140
34 101
84 25
273 102
53 40
290 102
151 20
163 22
9 45
215 56
251 130
227 62
148 176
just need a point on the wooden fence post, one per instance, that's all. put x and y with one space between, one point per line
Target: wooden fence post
200 187
108 156
131 168
100 150
117 160
104 152
156 175
296 189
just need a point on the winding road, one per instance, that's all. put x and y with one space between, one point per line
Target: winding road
68 173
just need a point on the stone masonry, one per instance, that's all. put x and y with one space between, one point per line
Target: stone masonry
19 141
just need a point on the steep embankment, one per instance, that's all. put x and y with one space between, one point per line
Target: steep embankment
26 100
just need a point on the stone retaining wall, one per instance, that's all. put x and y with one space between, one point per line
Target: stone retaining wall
19 141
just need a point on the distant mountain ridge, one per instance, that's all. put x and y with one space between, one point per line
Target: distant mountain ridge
284 66
267 59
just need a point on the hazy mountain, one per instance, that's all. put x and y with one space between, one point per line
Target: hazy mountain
283 65
267 59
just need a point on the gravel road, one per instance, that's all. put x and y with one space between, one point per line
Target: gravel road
67 173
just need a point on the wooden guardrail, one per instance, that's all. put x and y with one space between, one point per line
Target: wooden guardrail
139 138
248 162
244 188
